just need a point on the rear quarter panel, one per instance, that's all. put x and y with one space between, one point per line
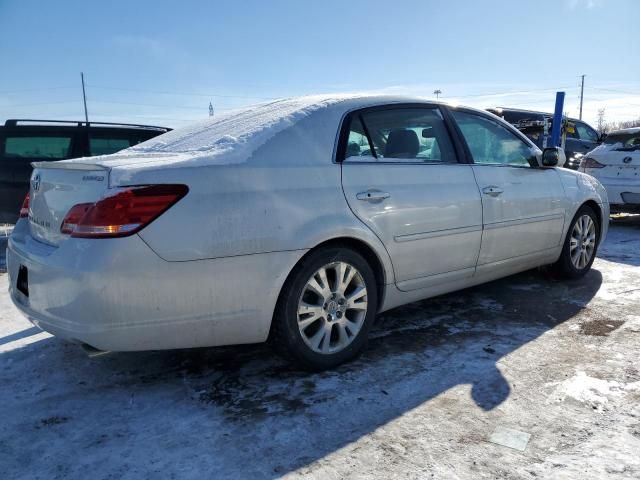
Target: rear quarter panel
286 197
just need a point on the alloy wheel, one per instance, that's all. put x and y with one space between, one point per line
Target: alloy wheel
583 242
332 308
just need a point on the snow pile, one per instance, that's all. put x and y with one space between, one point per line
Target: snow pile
586 389
228 139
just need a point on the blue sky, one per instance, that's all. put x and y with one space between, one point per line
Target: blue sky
161 62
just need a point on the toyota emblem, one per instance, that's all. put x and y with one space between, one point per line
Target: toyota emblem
35 183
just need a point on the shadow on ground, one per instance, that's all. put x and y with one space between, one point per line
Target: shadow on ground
623 242
241 412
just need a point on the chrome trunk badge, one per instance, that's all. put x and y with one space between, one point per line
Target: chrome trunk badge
35 182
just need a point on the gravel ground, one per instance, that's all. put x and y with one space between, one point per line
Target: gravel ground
527 361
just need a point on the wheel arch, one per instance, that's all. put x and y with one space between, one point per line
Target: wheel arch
358 245
596 208
369 254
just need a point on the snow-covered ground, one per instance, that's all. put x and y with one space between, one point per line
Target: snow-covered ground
543 365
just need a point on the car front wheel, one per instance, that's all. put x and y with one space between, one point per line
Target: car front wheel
581 244
326 309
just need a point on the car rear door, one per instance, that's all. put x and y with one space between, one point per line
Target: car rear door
523 205
402 178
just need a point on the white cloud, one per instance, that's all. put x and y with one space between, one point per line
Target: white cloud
588 4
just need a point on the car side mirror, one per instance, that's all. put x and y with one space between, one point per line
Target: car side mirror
553 156
602 137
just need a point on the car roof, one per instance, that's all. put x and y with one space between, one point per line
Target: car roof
520 110
26 122
271 132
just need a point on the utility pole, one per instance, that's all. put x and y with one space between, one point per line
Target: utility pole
437 93
581 96
84 98
210 109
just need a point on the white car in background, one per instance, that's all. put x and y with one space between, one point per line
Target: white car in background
295 221
616 164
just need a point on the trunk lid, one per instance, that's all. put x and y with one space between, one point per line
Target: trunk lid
618 164
55 188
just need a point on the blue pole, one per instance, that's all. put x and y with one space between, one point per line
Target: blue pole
557 120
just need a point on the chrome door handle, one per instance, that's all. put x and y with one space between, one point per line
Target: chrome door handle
372 196
492 190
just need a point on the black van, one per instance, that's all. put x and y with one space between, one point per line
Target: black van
26 141
580 136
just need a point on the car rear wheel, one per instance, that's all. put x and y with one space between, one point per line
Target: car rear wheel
580 245
326 309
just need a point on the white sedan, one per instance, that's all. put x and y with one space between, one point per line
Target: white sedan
616 164
296 222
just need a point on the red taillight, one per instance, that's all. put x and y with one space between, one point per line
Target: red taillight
24 210
124 213
73 217
591 163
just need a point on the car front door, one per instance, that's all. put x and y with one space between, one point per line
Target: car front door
588 137
402 178
523 205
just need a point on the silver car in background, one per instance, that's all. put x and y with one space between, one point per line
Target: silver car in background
295 221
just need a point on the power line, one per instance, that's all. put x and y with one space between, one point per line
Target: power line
43 89
184 107
37 104
615 91
513 92
157 92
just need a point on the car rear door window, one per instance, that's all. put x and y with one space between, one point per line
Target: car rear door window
357 142
491 143
38 147
416 135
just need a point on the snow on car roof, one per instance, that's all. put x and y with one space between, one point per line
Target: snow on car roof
631 130
233 137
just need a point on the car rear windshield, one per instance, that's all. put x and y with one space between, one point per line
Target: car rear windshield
515 117
45 147
626 140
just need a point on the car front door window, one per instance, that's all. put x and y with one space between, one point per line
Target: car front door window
586 133
491 143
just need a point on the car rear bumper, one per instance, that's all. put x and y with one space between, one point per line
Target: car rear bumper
118 295
623 195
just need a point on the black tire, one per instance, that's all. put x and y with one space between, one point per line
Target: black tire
285 335
564 266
